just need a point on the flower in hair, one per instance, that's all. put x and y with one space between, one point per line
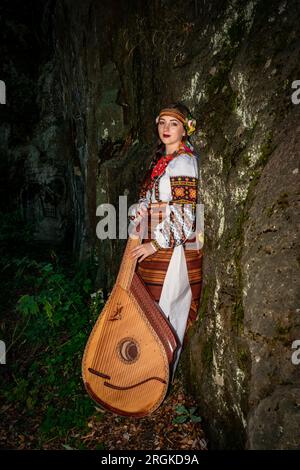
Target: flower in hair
190 125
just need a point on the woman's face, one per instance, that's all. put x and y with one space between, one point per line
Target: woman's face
170 130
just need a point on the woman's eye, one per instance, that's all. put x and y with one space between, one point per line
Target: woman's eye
161 123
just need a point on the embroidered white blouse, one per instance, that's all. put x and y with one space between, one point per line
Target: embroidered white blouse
177 186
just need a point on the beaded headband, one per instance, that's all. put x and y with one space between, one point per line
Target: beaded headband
188 122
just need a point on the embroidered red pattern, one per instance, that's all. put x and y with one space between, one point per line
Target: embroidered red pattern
184 189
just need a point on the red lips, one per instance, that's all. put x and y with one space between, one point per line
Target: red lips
166 135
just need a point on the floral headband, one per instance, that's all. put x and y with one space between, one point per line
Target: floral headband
189 123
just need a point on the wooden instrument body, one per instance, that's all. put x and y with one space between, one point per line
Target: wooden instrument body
130 352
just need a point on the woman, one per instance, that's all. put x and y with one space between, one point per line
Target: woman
167 262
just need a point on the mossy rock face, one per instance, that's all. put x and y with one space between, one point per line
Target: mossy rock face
207 354
249 174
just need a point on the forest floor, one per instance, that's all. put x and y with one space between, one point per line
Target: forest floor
108 431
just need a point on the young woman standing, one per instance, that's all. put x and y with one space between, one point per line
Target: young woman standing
170 258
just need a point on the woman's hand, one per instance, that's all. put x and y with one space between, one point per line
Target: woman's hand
142 251
142 213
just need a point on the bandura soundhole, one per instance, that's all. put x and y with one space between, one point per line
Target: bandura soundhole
128 350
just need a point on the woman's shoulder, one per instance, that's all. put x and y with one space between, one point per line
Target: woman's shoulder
184 164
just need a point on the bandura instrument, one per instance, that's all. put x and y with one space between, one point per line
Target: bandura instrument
128 359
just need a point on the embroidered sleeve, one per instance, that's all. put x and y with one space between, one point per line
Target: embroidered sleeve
179 224
143 203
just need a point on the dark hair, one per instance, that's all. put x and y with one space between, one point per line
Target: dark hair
160 147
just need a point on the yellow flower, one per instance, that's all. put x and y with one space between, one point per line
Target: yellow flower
190 126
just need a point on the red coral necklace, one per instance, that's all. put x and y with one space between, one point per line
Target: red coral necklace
161 166
163 162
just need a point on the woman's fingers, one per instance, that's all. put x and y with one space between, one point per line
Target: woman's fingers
134 250
143 212
143 251
137 252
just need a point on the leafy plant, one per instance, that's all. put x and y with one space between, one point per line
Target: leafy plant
185 415
52 315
